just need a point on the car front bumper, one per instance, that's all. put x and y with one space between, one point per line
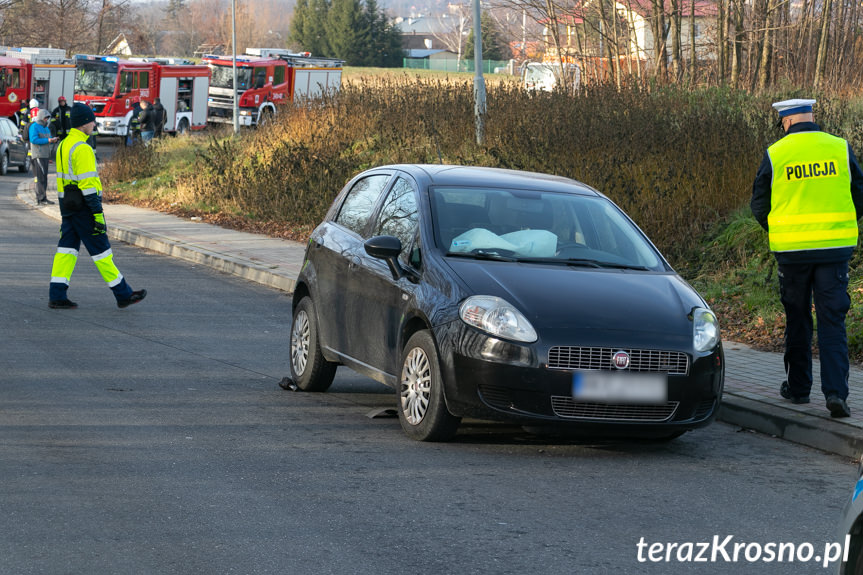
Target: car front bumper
488 378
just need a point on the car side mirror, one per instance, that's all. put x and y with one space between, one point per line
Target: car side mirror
386 248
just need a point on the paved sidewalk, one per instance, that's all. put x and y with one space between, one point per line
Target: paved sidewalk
752 379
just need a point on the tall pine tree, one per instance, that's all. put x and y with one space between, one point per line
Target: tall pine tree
356 31
308 27
493 46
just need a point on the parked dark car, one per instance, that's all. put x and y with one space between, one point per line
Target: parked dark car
504 295
851 531
13 149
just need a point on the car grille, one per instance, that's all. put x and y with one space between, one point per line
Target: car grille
572 357
569 408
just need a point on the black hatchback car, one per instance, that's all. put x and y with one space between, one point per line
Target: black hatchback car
13 148
505 295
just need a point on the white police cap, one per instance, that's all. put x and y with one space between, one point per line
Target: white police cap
791 107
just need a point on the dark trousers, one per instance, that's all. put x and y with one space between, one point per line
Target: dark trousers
40 171
827 284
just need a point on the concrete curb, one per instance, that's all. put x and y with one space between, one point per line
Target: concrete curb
239 267
831 436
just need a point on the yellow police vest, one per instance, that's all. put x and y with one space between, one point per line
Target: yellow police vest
810 202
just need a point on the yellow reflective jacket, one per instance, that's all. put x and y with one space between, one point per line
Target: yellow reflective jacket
76 162
811 205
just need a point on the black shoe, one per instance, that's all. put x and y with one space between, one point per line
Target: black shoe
785 391
62 304
837 407
134 298
46 202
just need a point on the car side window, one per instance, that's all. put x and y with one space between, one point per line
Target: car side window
5 131
399 216
360 202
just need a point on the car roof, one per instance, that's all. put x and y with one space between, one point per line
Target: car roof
450 175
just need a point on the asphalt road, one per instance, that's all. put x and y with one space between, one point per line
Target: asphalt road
155 439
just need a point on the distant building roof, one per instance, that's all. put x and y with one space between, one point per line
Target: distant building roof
423 24
423 53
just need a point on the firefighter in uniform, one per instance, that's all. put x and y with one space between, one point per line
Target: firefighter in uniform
60 118
82 216
808 194
23 117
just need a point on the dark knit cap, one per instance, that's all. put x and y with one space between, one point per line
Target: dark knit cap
81 114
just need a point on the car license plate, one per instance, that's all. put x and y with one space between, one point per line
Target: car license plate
620 387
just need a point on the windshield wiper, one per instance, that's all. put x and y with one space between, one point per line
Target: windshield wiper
584 262
483 255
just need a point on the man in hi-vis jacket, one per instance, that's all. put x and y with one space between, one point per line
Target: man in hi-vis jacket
80 194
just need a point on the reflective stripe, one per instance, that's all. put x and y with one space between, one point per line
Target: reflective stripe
78 177
106 254
828 217
89 191
56 280
70 251
116 281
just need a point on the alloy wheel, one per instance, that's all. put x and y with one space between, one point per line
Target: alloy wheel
415 387
300 338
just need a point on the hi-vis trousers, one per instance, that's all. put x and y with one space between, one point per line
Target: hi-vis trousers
75 229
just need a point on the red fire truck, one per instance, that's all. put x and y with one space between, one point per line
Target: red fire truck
43 74
113 87
267 77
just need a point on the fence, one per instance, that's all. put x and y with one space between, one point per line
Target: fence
453 65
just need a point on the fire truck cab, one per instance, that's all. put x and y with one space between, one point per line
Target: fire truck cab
266 77
43 74
113 87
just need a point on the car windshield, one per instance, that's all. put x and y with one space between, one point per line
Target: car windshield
223 77
541 227
95 78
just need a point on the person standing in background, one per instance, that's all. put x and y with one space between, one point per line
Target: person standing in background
60 118
40 149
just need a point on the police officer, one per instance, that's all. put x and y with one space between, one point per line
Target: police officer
808 194
80 192
60 120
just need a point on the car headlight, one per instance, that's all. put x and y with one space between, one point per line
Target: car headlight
705 329
497 317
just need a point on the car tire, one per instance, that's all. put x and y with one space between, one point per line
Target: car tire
421 405
25 167
854 566
183 127
309 370
4 164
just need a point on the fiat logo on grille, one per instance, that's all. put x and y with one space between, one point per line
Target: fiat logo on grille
620 359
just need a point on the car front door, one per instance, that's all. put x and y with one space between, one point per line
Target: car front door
378 298
334 250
